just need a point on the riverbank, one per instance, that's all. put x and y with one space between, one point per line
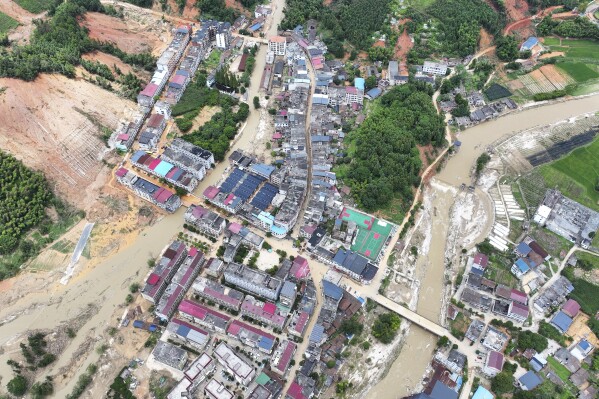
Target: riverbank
405 375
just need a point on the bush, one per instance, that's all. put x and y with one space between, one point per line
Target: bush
385 327
502 383
133 288
256 102
17 386
549 96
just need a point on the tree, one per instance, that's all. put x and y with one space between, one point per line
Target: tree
256 102
502 383
42 390
370 82
507 48
17 386
463 108
385 327
443 341
529 339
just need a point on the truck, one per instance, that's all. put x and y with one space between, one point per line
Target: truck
145 325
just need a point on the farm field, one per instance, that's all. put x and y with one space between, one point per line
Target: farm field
34 6
576 174
6 23
574 48
578 71
545 79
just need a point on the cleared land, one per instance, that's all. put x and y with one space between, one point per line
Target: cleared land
576 174
545 79
6 23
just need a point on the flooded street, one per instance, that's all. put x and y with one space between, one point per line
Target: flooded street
408 369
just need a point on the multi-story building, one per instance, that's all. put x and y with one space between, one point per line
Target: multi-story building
195 374
165 269
265 312
278 45
251 336
518 312
253 281
203 316
188 334
208 222
216 390
198 154
434 68
282 357
213 33
164 170
218 293
158 196
242 371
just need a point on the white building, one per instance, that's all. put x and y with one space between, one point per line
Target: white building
278 45
434 68
493 363
242 371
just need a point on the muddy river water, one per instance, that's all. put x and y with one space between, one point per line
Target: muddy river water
106 285
408 369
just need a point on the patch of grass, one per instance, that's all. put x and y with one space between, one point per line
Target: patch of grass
393 212
579 71
34 6
575 48
552 243
561 371
576 174
6 23
591 259
585 293
63 246
501 275
213 59
459 326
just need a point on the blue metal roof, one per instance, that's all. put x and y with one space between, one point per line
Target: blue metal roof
562 321
262 169
374 93
163 168
332 290
584 345
442 391
530 380
482 393
320 138
522 266
136 155
359 83
266 343
317 333
183 330
529 43
523 248
255 27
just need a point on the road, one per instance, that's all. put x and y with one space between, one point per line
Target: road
87 230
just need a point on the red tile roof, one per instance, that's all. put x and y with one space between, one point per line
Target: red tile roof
150 90
198 311
155 162
155 120
153 279
270 308
285 358
495 360
519 296
295 391
519 309
162 195
234 227
481 259
211 192
239 325
123 136
121 172
301 323
571 308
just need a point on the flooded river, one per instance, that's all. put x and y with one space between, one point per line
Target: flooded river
408 369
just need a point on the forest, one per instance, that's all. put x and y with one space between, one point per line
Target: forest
216 9
384 162
57 44
297 12
579 28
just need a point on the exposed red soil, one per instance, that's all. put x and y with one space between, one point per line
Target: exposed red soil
21 33
516 9
129 36
111 61
403 46
486 40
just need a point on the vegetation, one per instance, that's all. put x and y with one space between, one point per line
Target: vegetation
83 382
17 386
585 292
385 327
256 102
142 3
463 108
551 332
578 71
575 175
549 96
579 28
7 23
41 390
383 159
507 48
297 12
503 383
35 6
351 326
216 9
529 339
481 162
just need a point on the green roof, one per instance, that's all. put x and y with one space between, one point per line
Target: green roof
262 379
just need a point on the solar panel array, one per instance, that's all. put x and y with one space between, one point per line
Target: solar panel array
232 180
248 186
264 197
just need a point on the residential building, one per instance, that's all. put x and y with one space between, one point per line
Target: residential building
435 68
213 33
170 355
529 381
493 363
216 390
282 357
355 265
164 170
195 374
480 263
205 220
571 308
214 268
251 336
298 323
582 349
518 312
278 45
194 152
187 334
203 316
265 312
163 271
240 369
253 281
520 268
561 321
161 197
288 294
218 293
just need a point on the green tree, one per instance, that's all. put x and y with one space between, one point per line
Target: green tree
17 386
385 327
370 82
502 383
256 102
507 48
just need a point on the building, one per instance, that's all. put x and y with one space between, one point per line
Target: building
251 336
571 308
480 263
266 312
239 368
482 393
205 220
434 68
164 271
203 316
288 294
194 152
282 357
187 334
164 170
214 268
520 268
218 293
253 281
582 349
213 33
194 375
277 45
169 354
561 321
355 265
493 363
518 312
529 44
159 196
216 390
529 381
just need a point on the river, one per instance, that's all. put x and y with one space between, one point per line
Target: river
408 369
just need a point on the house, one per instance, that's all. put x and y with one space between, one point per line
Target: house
529 44
187 334
482 393
373 93
170 355
571 308
518 312
567 359
288 294
591 392
253 281
561 321
442 391
537 362
480 263
580 378
435 68
242 371
582 349
529 381
493 363
520 268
